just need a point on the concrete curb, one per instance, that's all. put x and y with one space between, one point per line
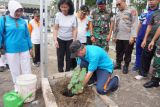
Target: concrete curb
48 96
105 99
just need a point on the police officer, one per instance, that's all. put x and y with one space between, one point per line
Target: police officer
101 25
124 33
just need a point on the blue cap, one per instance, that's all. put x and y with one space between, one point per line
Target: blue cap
99 2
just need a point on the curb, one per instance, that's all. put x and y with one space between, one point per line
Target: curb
105 99
48 96
50 99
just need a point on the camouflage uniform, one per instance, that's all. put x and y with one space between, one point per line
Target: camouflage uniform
156 62
101 24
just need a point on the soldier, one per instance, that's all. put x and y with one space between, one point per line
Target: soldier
101 25
154 82
124 34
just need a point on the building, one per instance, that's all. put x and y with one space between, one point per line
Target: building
29 5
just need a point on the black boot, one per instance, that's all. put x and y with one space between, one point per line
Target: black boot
125 69
153 83
117 66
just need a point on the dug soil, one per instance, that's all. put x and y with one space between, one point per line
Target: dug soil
86 99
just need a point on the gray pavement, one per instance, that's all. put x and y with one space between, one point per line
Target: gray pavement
131 93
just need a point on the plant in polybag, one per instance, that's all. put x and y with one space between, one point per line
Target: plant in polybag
76 83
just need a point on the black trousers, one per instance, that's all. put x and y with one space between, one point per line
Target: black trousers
123 51
63 51
37 53
146 58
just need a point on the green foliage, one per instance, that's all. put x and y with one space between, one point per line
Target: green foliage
53 7
76 83
139 5
90 3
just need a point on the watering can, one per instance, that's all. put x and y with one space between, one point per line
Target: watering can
13 99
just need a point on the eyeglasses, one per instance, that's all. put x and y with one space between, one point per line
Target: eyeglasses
83 12
118 4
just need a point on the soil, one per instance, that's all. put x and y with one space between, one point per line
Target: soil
86 99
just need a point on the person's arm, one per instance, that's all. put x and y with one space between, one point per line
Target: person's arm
1 30
149 27
30 28
139 27
74 29
55 30
156 36
74 33
134 15
28 37
93 64
110 31
87 77
90 25
55 34
114 29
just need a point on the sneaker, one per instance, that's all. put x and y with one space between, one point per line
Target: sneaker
139 77
135 69
35 64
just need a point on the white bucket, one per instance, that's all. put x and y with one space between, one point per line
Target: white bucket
26 84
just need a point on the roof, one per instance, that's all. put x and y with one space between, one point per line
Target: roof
25 3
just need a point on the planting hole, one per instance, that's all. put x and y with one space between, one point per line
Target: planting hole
67 93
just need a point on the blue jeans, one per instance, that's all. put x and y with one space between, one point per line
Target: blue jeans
138 53
102 76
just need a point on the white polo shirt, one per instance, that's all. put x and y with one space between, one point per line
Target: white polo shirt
66 24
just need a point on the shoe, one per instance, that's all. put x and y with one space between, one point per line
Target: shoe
151 84
113 85
139 77
125 69
35 64
117 66
2 69
135 69
117 78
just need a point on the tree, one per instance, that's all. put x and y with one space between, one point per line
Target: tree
53 7
139 4
91 3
